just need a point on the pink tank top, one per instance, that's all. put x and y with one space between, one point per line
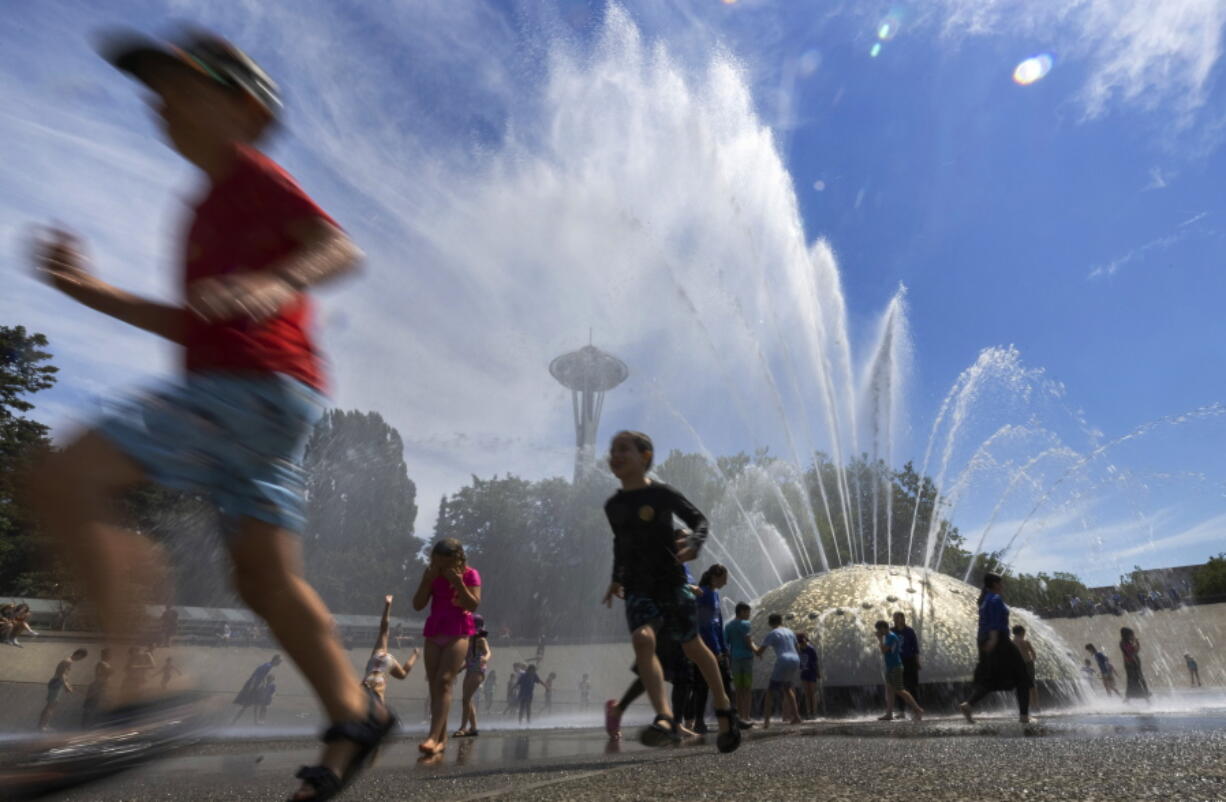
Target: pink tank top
447 619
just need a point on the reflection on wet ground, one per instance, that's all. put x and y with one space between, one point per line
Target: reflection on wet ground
503 748
497 748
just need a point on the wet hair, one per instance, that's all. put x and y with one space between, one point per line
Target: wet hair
642 443
80 654
450 547
880 625
1126 634
774 619
1019 630
801 637
711 573
900 613
1090 648
742 606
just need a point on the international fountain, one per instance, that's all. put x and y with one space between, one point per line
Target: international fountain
742 293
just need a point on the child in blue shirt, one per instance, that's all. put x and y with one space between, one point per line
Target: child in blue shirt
891 653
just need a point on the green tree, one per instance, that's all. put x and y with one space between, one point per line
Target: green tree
361 510
25 369
1209 580
543 550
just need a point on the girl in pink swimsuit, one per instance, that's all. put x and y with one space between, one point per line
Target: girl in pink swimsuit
453 591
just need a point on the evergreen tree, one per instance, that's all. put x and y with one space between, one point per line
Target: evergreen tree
361 510
25 369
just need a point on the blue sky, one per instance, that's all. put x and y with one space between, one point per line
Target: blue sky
661 172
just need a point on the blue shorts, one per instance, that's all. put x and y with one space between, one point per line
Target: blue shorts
672 612
238 439
785 673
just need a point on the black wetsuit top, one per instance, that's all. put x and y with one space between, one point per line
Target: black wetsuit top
644 541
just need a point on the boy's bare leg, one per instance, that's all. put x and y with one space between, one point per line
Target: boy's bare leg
743 698
44 718
767 704
909 700
889 699
75 494
268 576
793 710
650 672
708 666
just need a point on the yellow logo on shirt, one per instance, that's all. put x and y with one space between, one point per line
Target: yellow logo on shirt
647 513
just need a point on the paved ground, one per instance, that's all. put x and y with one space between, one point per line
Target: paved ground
1116 758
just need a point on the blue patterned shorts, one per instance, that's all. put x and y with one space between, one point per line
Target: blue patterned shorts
237 439
669 612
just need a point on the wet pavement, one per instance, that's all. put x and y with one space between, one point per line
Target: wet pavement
1067 755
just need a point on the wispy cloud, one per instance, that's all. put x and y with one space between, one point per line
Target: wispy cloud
1157 179
1137 51
1141 252
1211 530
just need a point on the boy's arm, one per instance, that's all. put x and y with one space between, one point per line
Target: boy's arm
697 523
58 257
323 253
621 547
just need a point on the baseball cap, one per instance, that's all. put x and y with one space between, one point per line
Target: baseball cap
201 51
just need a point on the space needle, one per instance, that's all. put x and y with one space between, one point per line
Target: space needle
588 373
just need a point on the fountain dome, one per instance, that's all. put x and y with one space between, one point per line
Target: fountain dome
839 608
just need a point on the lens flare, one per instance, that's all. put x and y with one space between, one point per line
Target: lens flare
890 24
819 185
875 50
1032 69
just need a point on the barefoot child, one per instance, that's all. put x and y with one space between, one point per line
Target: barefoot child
59 684
236 428
741 651
169 671
453 591
479 654
891 653
785 671
380 665
1105 670
1028 656
647 572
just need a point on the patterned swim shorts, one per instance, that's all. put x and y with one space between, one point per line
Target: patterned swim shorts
237 439
669 612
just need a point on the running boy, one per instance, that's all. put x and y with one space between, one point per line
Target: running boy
236 429
647 572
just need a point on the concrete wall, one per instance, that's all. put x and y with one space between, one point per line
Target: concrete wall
1165 636
220 672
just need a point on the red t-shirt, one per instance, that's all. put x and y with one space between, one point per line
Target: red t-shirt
243 224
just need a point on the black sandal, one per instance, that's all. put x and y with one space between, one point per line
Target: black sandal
367 734
730 740
662 732
127 738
